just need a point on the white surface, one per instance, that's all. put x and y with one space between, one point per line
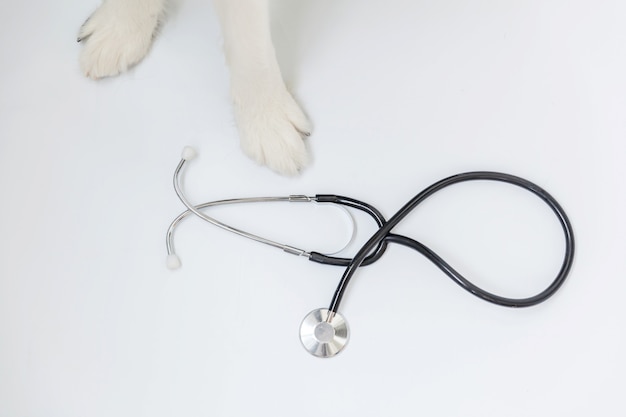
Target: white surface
401 93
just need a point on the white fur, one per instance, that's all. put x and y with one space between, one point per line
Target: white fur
271 124
118 35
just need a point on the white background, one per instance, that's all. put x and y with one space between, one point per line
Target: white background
401 94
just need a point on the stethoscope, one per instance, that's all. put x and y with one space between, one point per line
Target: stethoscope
324 332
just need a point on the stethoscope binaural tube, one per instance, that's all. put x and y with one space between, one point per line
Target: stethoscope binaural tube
384 235
173 261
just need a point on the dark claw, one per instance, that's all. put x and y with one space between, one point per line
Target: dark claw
81 29
307 134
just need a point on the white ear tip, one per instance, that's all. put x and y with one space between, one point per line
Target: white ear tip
189 153
173 261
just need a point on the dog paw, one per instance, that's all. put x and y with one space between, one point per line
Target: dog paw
272 127
116 36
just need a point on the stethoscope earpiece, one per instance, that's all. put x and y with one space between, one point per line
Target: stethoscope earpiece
173 261
188 153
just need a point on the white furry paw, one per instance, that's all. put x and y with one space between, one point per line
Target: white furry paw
118 35
272 127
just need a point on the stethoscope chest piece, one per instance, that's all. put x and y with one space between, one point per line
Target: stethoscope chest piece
322 337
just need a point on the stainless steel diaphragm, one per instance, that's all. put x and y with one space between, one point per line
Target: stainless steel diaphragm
323 338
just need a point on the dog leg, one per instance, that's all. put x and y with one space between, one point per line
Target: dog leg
118 35
271 124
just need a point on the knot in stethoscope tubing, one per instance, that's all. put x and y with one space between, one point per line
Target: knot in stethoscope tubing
372 211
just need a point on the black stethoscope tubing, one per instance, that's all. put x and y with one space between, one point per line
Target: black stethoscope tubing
374 248
359 205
